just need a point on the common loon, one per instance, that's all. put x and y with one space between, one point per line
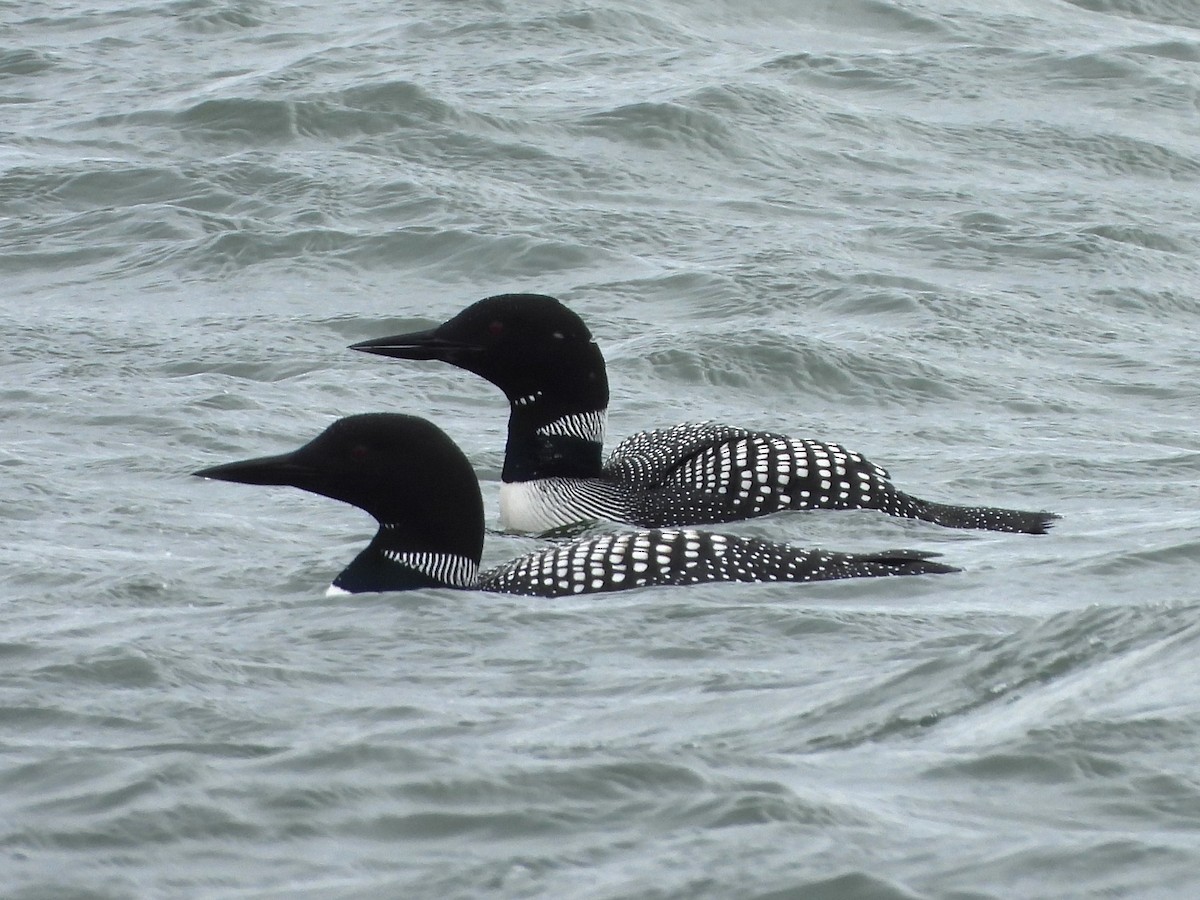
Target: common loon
543 357
421 489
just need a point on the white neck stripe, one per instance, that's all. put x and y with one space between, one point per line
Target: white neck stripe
588 426
447 568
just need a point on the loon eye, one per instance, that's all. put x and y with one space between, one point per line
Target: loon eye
496 328
359 452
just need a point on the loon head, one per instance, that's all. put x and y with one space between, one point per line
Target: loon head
403 470
530 346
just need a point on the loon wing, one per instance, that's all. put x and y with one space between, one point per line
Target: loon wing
694 474
630 559
724 473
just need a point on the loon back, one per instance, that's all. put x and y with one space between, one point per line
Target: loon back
632 559
706 473
421 489
542 355
736 473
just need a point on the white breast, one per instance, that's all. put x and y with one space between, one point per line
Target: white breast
530 506
549 503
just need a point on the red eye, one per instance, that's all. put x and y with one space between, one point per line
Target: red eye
496 328
359 452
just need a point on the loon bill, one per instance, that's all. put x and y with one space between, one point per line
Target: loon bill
544 359
423 493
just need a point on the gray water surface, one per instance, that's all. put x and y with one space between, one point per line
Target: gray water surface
959 238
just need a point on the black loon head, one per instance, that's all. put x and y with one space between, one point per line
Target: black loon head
529 345
403 470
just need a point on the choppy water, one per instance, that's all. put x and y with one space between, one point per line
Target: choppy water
961 238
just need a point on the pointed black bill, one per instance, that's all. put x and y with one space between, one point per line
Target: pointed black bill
281 469
415 345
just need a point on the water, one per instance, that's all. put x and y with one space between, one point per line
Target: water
959 238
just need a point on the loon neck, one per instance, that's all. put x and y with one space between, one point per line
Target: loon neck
547 441
390 563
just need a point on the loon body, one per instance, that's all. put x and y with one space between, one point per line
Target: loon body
422 491
543 357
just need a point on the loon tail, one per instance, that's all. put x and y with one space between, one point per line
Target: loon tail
988 518
888 562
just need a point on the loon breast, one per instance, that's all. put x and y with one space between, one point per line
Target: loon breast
545 504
